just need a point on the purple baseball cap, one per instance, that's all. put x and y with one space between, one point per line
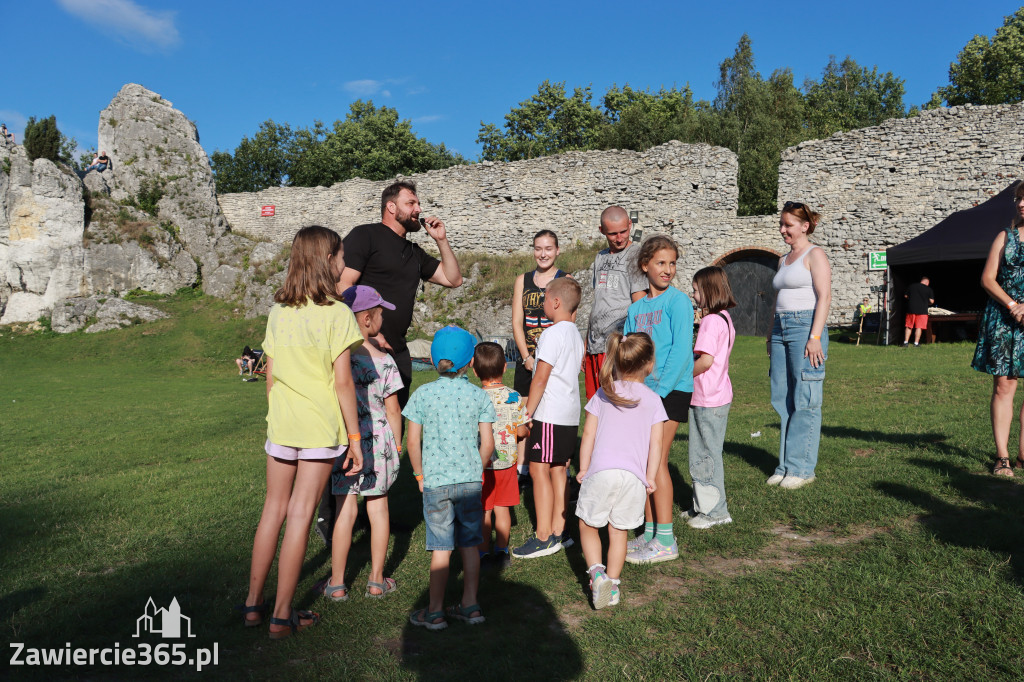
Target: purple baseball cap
362 297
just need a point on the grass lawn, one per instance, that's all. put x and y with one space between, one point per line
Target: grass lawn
131 467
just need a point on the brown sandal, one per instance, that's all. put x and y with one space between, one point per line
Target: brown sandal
1002 467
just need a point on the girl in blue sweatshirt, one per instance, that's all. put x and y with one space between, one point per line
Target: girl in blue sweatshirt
666 314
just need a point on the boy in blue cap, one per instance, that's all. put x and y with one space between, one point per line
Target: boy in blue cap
450 437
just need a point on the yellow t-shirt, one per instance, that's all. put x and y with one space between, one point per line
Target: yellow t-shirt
304 342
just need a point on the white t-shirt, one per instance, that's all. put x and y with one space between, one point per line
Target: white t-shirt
561 346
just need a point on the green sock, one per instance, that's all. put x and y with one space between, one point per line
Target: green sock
648 531
663 534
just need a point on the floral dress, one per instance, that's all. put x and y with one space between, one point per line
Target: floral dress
1000 350
375 379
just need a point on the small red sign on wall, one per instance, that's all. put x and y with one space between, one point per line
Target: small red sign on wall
266 211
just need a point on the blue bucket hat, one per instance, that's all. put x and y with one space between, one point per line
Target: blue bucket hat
452 343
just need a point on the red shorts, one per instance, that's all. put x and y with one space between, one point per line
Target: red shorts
916 321
501 488
591 373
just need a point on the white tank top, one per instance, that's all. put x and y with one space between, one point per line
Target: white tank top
793 282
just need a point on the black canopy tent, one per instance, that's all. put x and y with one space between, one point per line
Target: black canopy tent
952 254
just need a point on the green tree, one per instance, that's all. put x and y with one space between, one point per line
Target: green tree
757 119
640 119
988 71
849 96
372 143
257 163
550 122
42 139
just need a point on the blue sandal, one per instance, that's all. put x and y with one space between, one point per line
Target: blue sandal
387 587
465 613
325 588
258 609
421 618
294 623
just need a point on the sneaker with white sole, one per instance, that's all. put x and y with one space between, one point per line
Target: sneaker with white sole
702 521
687 514
775 479
636 543
601 587
654 553
794 482
566 540
534 548
614 601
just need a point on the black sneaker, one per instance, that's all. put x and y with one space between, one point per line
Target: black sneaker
323 531
566 540
500 560
534 548
904 344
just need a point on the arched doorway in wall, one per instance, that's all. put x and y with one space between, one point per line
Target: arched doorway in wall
750 273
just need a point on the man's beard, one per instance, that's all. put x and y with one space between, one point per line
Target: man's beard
409 223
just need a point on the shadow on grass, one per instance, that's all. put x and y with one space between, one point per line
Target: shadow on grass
989 520
537 645
759 458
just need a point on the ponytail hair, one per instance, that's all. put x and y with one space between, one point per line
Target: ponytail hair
625 356
803 213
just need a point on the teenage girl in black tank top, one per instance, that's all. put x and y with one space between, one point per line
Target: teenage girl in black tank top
528 319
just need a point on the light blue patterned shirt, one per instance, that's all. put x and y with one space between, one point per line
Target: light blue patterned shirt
450 412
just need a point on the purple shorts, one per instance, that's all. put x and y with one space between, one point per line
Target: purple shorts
290 454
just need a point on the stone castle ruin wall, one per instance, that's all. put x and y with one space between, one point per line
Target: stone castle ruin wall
875 188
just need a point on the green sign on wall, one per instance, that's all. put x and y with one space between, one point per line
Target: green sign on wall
876 260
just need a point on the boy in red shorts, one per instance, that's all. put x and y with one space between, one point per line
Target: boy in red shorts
919 296
501 480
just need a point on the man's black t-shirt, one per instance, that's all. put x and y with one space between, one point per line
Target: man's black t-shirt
918 298
394 266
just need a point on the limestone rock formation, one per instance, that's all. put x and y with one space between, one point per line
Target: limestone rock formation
98 315
155 154
41 225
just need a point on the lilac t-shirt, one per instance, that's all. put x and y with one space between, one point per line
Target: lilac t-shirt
623 439
715 338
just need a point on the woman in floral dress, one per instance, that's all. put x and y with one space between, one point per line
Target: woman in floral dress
1000 350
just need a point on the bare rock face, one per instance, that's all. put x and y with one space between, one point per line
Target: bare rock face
100 314
41 227
156 156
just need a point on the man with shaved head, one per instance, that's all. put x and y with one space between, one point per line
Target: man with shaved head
617 283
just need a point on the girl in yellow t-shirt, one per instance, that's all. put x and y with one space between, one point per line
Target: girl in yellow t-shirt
311 399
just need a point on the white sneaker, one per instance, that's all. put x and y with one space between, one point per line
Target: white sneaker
793 482
688 514
775 479
702 521
601 590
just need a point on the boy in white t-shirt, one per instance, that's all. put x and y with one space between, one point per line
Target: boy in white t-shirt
554 407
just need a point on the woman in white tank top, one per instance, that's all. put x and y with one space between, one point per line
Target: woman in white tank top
798 346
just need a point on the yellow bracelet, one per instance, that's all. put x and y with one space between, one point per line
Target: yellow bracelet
816 338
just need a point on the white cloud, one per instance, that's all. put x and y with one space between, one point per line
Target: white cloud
362 88
139 27
417 90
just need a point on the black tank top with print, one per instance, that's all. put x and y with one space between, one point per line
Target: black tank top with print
534 321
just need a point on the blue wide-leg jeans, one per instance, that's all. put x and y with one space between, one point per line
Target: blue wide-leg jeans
796 392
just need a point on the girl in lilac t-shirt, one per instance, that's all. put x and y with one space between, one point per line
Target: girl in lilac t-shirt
712 396
619 457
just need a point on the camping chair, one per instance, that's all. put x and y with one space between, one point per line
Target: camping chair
260 368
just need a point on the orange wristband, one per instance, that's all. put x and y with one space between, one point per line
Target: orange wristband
354 436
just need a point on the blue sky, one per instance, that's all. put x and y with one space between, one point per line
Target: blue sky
446 65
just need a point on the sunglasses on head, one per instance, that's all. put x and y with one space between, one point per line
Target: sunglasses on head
792 204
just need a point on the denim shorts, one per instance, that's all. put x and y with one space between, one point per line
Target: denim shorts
454 516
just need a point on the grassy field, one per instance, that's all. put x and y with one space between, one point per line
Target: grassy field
131 467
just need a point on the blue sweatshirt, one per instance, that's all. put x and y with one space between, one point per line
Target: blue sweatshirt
668 319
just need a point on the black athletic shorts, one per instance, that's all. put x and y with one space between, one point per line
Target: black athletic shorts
677 405
551 443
